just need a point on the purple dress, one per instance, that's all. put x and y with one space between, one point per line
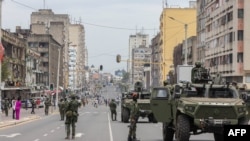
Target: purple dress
18 107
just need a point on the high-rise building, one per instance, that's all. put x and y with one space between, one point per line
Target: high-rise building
176 25
223 36
135 41
45 21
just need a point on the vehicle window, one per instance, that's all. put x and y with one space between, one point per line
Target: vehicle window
222 93
160 93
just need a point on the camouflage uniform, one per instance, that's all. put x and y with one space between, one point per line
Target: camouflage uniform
6 106
61 106
47 103
71 116
112 106
33 104
134 113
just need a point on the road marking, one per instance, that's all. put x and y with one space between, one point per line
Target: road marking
57 127
52 131
78 135
110 130
11 135
36 140
45 135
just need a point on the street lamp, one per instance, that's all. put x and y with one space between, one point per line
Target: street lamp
185 27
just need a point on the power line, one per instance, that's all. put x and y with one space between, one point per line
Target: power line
24 5
122 28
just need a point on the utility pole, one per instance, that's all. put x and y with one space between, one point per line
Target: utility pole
57 79
0 60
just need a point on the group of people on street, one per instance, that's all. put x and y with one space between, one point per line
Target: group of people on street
15 104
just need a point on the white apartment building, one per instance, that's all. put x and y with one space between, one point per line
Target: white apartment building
135 41
72 67
140 56
77 39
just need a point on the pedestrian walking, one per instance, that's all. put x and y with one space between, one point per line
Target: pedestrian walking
33 105
134 114
13 104
71 117
61 106
47 103
18 107
112 106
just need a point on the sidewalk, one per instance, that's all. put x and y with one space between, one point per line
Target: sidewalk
25 116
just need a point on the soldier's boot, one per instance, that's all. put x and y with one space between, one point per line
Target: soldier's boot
129 138
67 138
134 138
73 137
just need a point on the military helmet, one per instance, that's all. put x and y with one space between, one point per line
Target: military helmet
165 82
198 64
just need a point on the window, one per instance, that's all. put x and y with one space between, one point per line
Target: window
160 93
240 35
248 78
240 57
240 13
222 93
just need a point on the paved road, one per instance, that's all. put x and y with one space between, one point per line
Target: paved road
94 124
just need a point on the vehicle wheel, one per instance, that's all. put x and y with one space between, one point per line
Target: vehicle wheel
167 132
125 115
182 128
243 121
218 137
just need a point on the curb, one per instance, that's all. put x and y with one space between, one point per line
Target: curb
16 122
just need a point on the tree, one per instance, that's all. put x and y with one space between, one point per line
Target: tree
5 70
125 77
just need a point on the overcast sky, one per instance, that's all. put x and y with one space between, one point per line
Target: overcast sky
108 23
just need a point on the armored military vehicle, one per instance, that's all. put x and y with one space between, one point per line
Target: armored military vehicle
143 103
196 107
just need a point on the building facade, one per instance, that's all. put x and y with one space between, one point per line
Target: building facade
140 57
173 31
77 39
45 21
226 38
135 41
156 60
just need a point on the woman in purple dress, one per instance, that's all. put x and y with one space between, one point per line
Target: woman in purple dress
18 108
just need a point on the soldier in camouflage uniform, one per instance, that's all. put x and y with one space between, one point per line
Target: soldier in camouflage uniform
71 116
134 113
6 106
47 103
61 106
112 106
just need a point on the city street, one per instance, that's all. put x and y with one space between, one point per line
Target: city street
94 124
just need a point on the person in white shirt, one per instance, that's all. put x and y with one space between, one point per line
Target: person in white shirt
13 104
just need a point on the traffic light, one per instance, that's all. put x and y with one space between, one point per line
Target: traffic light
101 67
51 86
118 58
